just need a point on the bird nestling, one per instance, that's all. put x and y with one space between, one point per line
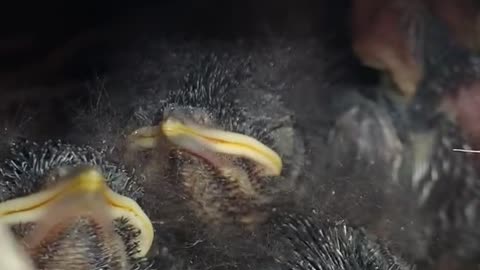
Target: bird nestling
66 213
398 176
442 112
231 140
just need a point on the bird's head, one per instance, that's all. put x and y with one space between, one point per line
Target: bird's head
68 216
232 146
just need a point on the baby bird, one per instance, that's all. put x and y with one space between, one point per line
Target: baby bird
399 177
440 116
216 110
71 208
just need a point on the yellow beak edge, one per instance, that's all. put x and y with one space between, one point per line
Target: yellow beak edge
218 141
82 188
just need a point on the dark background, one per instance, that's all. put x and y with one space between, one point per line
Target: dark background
48 51
48 43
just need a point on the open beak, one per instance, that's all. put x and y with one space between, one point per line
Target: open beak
198 139
83 193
